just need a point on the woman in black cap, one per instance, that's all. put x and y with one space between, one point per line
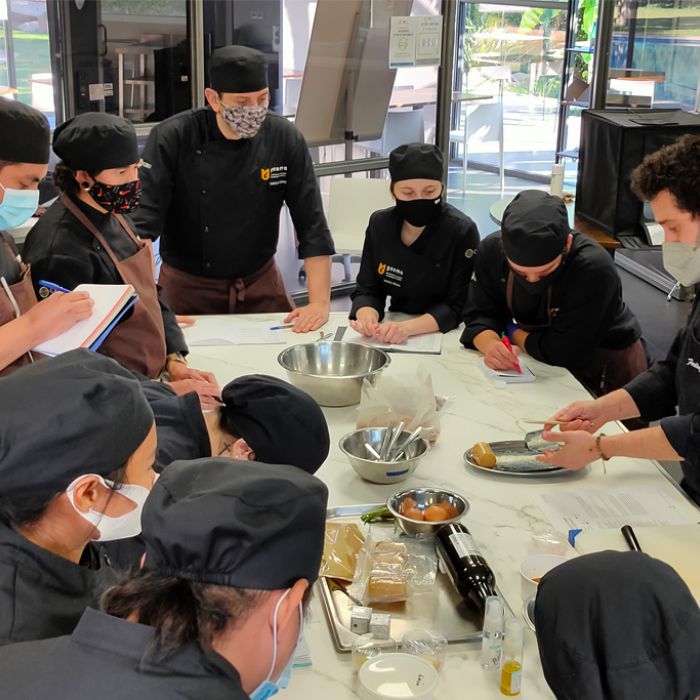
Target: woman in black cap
618 626
216 612
78 442
419 253
85 238
556 294
24 155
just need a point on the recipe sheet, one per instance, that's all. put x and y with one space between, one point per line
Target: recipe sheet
217 331
600 509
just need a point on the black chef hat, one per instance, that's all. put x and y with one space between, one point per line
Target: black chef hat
237 69
416 160
24 133
95 142
618 625
78 413
239 524
282 424
534 228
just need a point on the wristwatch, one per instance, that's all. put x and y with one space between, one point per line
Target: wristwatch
176 357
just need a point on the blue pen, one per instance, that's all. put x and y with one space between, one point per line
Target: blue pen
280 328
53 287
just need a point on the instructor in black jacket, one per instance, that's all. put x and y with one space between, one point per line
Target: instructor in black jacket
556 294
217 180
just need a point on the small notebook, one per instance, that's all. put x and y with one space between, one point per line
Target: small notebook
508 376
426 344
216 331
112 301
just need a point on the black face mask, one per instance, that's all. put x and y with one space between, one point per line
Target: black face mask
419 212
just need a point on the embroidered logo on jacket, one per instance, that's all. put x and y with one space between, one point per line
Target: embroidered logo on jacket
694 364
275 175
391 275
381 269
265 174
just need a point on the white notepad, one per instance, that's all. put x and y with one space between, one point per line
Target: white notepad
508 376
221 331
110 300
426 344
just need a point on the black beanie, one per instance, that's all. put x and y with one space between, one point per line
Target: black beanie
416 160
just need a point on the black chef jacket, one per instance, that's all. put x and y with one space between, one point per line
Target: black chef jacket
61 250
589 311
9 269
429 276
41 594
216 202
110 659
675 382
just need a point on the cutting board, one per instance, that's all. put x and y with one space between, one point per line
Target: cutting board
677 545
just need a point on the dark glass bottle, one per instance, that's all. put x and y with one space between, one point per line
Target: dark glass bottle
468 570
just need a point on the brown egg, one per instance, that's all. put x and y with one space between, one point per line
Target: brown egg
435 513
413 514
407 504
450 509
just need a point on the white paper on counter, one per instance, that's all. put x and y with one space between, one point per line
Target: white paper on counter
641 506
426 344
218 331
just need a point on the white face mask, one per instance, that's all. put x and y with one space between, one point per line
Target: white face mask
110 527
682 261
17 207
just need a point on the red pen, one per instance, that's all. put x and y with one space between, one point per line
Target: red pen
506 341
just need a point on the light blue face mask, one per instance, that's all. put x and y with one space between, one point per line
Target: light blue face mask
17 207
268 688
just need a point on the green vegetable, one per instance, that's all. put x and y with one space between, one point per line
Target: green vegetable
372 516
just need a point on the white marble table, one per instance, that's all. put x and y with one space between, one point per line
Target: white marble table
503 509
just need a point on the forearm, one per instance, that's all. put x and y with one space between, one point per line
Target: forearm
618 405
422 324
484 340
519 337
16 337
318 273
649 443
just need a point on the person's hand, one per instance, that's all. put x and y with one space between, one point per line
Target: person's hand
581 415
179 370
209 392
309 318
392 333
58 313
499 357
579 449
185 320
366 321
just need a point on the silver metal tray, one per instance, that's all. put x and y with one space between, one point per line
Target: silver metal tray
442 609
516 447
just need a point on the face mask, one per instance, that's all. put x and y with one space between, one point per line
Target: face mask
245 121
122 526
17 207
682 261
119 199
418 212
269 688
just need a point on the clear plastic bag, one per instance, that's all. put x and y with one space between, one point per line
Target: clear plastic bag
343 542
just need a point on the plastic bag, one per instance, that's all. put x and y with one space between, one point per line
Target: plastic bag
409 398
342 543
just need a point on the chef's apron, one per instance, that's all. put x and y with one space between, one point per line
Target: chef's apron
607 369
18 301
137 343
259 293
688 391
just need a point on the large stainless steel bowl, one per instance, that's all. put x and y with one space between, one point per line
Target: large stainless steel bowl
332 372
425 497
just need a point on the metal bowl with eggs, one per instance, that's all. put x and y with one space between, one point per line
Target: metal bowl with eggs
332 372
422 499
354 447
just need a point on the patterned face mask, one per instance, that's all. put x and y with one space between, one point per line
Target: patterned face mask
118 199
245 121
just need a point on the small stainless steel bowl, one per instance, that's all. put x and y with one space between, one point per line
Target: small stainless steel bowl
353 447
332 373
426 497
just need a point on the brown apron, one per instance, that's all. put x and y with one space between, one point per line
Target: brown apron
138 343
259 293
606 369
22 295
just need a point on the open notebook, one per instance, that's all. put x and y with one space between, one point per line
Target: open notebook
112 301
426 344
508 376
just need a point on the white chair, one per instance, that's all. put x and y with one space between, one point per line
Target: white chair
351 201
482 122
402 125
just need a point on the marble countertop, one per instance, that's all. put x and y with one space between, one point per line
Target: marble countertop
503 509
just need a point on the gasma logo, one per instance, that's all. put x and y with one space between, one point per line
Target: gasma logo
265 174
381 269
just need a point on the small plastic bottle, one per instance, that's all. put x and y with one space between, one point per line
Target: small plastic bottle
492 635
556 183
512 658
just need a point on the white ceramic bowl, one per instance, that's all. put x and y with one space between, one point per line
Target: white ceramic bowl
535 568
397 677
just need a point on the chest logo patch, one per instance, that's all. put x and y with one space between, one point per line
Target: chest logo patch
265 174
381 268
694 364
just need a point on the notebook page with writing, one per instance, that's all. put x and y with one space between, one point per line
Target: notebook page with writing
426 344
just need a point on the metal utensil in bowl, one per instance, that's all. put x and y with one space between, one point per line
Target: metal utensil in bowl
332 372
425 497
354 447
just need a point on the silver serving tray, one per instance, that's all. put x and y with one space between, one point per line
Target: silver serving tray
442 609
516 448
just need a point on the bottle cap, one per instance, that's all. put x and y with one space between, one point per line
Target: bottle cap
493 616
513 637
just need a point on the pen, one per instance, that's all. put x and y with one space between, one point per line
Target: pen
630 538
53 287
279 328
506 341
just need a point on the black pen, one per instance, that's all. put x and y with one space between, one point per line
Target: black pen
630 538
